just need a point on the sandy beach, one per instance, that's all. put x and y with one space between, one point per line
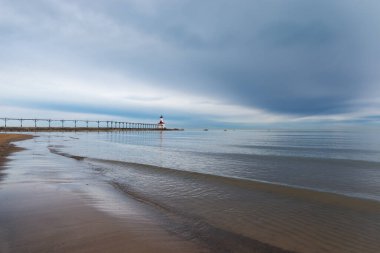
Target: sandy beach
6 147
40 217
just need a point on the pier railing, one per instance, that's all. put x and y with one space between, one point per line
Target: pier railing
73 124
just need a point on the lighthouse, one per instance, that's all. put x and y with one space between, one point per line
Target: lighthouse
161 124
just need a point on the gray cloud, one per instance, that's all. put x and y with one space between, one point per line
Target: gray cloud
288 57
301 57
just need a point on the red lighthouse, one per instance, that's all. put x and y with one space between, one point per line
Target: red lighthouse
161 124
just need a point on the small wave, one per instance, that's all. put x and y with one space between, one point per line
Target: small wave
276 188
305 148
54 150
291 159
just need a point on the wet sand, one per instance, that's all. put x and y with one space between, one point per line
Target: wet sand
44 217
36 218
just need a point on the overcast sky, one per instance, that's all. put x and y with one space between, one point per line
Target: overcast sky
200 63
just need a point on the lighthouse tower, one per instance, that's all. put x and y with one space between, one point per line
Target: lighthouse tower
161 124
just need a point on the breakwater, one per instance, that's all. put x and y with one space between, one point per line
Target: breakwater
65 125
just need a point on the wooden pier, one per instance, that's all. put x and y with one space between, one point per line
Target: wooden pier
26 125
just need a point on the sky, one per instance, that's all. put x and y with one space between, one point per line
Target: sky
209 63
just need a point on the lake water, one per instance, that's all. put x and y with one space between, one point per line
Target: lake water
238 191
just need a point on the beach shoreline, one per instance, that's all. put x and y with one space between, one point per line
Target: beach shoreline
48 217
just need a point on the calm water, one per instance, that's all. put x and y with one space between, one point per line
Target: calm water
342 162
304 191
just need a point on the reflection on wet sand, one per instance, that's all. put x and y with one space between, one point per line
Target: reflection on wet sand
43 210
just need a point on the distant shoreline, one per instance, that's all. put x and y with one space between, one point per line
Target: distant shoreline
81 129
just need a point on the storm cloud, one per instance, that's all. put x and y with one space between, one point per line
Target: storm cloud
296 58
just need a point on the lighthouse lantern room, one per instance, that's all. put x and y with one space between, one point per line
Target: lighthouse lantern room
161 124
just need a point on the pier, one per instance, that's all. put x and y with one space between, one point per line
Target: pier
26 125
